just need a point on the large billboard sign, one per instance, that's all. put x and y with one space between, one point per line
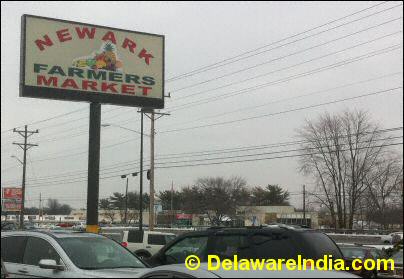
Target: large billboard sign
74 61
12 193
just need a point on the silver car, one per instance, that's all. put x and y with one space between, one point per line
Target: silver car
180 271
62 254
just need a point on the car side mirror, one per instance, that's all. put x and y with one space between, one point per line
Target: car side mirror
50 264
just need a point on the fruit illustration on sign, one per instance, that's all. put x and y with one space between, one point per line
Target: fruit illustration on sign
104 59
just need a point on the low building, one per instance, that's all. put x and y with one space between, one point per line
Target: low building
259 215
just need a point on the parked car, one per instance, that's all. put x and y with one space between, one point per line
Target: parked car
352 252
272 242
8 226
61 254
180 271
398 267
79 226
392 238
145 243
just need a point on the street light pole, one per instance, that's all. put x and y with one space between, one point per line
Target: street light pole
126 201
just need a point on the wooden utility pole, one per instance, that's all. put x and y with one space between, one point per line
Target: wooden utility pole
152 134
24 146
151 211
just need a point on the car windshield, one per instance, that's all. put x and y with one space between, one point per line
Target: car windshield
353 252
398 257
98 253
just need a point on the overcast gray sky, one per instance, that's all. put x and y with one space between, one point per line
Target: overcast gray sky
198 34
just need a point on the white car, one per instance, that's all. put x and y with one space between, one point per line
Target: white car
392 237
61 254
145 243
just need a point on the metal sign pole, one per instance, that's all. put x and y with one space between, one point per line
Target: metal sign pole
93 168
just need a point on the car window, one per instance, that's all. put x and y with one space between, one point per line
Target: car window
156 239
135 236
319 245
275 246
12 248
178 252
226 246
39 249
93 253
169 237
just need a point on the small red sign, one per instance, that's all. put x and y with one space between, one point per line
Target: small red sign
184 216
11 206
12 193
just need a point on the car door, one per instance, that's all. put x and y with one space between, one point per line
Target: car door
37 249
180 250
12 252
227 244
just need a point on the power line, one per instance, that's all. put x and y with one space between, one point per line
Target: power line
391 90
63 182
214 153
287 79
208 67
282 57
288 99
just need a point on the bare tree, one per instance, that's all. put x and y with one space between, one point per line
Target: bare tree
108 209
217 197
383 187
339 151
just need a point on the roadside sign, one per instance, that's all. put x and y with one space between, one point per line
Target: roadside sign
14 193
9 205
66 60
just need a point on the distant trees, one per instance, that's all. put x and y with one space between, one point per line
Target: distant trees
347 155
219 197
56 208
270 195
117 201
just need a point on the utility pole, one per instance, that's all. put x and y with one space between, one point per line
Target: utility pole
24 146
152 134
141 174
304 204
151 215
172 211
126 201
40 206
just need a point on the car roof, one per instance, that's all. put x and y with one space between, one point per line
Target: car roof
57 234
261 229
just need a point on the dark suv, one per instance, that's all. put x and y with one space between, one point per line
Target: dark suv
272 242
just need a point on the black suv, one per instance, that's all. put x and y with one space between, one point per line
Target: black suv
272 242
